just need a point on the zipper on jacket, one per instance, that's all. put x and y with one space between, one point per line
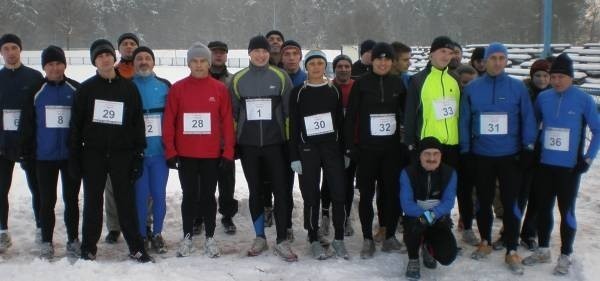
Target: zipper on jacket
428 185
559 103
494 90
444 98
381 89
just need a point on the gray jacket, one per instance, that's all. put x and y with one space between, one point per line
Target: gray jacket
260 101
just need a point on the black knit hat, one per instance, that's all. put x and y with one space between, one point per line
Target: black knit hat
563 64
366 46
101 46
275 32
143 49
429 142
258 42
218 45
10 38
128 35
340 58
441 42
290 44
478 53
383 50
53 53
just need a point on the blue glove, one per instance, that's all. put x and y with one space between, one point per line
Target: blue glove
297 167
429 217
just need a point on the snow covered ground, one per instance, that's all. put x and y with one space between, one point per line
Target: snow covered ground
21 262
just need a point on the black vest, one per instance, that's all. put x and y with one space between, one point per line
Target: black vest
429 185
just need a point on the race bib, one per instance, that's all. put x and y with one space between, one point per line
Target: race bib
444 108
258 109
383 124
196 123
11 119
557 139
493 124
108 112
58 116
318 124
153 125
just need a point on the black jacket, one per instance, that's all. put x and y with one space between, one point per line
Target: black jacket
359 69
307 100
374 94
16 86
89 134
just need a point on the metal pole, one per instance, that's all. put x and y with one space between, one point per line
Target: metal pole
547 28
274 13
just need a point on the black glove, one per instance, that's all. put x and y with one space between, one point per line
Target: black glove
581 166
237 153
173 162
26 162
413 154
352 153
137 166
526 159
226 164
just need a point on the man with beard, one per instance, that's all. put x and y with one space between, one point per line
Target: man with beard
153 182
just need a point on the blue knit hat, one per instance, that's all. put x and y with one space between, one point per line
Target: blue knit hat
313 54
495 47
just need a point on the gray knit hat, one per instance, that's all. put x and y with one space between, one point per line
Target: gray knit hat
198 50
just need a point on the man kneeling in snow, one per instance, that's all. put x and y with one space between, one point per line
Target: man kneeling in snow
427 192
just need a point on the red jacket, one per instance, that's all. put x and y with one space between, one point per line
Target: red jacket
346 88
205 97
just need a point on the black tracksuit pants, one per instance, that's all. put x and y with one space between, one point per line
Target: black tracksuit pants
313 157
255 162
528 205
96 165
349 175
47 175
198 179
382 163
6 173
438 239
562 184
289 176
228 206
506 169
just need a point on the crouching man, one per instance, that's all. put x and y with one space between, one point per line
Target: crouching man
427 192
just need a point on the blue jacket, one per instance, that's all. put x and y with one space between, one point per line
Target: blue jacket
443 188
501 96
298 78
405 78
52 143
571 110
153 91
